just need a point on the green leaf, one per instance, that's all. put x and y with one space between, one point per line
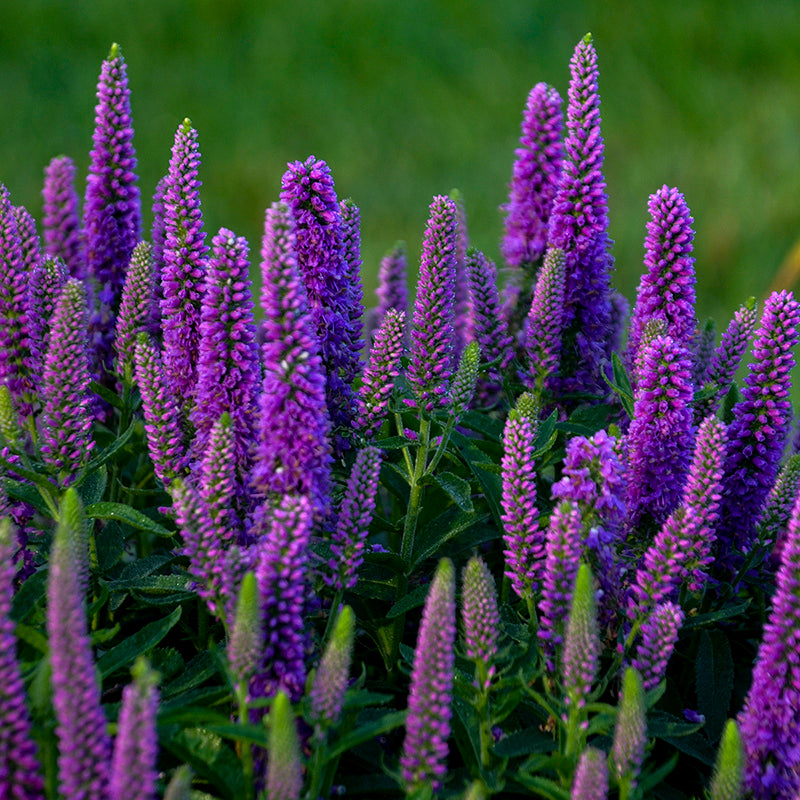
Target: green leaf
202 667
714 681
110 541
17 490
712 617
621 384
476 421
29 595
93 485
441 529
125 653
252 734
362 698
366 731
123 513
523 743
152 584
112 398
109 452
32 636
413 599
662 725
479 464
395 443
457 489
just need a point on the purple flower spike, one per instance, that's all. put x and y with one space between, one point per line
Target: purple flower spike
84 752
293 451
667 285
111 213
354 294
703 343
158 237
307 189
61 218
490 330
728 356
432 333
563 555
659 636
28 237
355 517
184 270
377 383
580 657
281 568
66 419
133 770
591 776
44 286
545 324
424 758
392 288
135 308
219 482
774 519
523 538
660 436
20 771
463 321
228 372
579 226
480 616
161 412
769 723
760 424
534 182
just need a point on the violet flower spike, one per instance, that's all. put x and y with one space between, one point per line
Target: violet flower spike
228 372
355 517
84 752
424 758
28 237
659 635
133 769
769 723
760 424
61 222
20 770
44 286
591 776
773 521
134 308
354 294
184 270
431 368
535 178
158 238
480 617
392 289
703 344
377 382
112 210
66 420
667 286
293 452
463 320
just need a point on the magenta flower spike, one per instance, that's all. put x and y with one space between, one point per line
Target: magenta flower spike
423 761
135 308
659 635
28 237
20 770
307 189
661 435
133 768
591 776
355 516
769 723
61 220
760 425
354 289
579 226
535 178
228 372
185 263
44 286
392 291
431 365
293 453
480 617
111 212
84 746
489 329
666 288
66 419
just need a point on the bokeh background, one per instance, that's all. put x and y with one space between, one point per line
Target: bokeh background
410 99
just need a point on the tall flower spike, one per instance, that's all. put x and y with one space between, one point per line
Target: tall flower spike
667 286
630 733
760 424
354 289
28 237
392 291
44 286
703 343
431 367
355 517
20 771
161 413
84 751
247 636
293 451
330 679
591 776
769 723
660 436
281 567
463 389
580 657
158 237
489 328
307 189
112 211
135 307
545 324
184 271
728 356
284 768
377 383
61 218
424 758
579 226
659 636
681 550
133 769
462 301
66 418
480 617
522 536
535 177
774 519
228 371
727 781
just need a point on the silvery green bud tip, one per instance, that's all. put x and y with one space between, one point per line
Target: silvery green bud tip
727 781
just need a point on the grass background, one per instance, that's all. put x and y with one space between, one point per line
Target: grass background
410 99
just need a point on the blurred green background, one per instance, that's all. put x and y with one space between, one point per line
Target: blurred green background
409 99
